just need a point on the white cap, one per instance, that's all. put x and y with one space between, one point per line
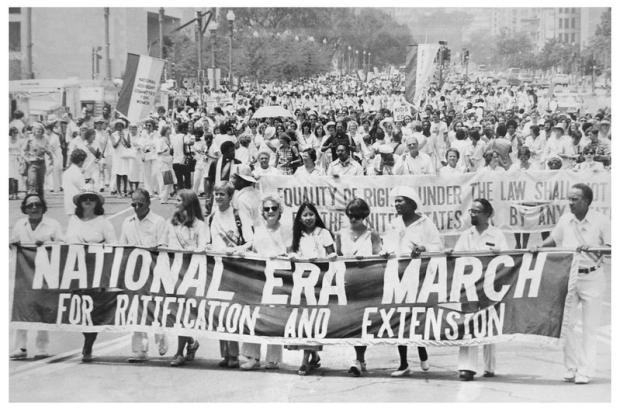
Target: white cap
407 192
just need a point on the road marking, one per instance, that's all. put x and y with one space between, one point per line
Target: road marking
104 347
119 213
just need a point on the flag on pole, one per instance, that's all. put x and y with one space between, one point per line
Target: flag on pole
419 70
141 84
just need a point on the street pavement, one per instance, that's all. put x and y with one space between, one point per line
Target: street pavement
526 372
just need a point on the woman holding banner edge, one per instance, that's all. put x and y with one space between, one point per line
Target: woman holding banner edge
405 237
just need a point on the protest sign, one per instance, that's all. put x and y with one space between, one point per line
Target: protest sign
141 84
523 201
460 299
400 111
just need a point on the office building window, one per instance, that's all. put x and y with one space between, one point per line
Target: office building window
566 22
561 23
572 38
15 10
15 36
572 22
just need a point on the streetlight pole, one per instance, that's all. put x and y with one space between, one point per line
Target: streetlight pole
357 61
213 30
364 65
349 63
29 73
108 64
199 51
161 38
230 16
368 63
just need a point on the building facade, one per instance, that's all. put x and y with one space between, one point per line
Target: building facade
66 42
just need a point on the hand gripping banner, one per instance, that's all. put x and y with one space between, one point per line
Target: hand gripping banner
462 299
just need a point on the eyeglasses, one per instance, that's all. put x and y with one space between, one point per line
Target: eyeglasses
474 211
137 204
270 208
355 217
33 205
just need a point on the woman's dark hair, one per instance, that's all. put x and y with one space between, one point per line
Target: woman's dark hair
182 128
474 135
358 208
297 225
501 130
77 156
13 130
311 153
488 156
43 203
319 128
524 151
306 124
460 134
79 212
164 130
487 208
190 209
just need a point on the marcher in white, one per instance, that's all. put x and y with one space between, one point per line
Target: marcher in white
582 228
73 181
148 230
270 239
33 229
480 237
414 162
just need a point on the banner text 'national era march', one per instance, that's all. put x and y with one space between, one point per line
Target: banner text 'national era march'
435 300
522 201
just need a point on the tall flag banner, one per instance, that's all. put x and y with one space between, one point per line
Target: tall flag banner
419 70
140 86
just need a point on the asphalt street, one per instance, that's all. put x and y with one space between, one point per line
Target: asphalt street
525 372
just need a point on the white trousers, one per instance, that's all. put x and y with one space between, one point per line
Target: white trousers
252 350
41 342
580 350
140 342
468 358
151 171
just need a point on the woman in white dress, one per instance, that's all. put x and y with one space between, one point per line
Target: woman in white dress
231 231
270 239
135 155
311 240
120 155
54 177
451 169
164 155
358 240
15 150
89 226
150 138
187 231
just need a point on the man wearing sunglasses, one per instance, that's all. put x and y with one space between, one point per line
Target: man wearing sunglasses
145 229
33 229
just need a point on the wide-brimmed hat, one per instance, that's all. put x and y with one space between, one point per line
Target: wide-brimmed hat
244 172
118 121
407 192
51 119
78 197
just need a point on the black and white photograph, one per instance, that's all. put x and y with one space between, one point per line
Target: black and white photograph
309 203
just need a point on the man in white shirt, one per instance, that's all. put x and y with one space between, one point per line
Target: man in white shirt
148 230
344 165
414 162
246 198
480 237
73 181
582 228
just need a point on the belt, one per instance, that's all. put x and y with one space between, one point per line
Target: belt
587 270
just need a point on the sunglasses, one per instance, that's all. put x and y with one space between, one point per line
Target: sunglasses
89 199
137 204
270 208
33 205
355 216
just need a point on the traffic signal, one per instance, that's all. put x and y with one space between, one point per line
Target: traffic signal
446 55
466 56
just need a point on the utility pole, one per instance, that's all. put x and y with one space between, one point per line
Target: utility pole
199 16
29 73
108 64
161 38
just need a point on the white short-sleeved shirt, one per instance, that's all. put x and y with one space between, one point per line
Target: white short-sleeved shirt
96 230
272 242
149 232
400 238
593 230
350 167
471 240
224 230
48 230
312 245
408 165
72 184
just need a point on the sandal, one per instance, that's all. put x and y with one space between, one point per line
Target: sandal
303 370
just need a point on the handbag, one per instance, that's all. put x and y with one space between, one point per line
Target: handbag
22 168
167 177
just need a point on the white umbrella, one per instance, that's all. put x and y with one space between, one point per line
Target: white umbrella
272 111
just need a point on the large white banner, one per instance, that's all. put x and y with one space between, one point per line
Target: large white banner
523 201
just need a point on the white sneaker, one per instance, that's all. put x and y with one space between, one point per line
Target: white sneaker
401 373
569 376
163 346
356 368
251 364
272 365
581 379
424 365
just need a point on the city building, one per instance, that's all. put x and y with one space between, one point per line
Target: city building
70 42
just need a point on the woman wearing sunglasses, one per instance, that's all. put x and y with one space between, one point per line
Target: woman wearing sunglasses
270 239
33 229
589 164
89 226
358 240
